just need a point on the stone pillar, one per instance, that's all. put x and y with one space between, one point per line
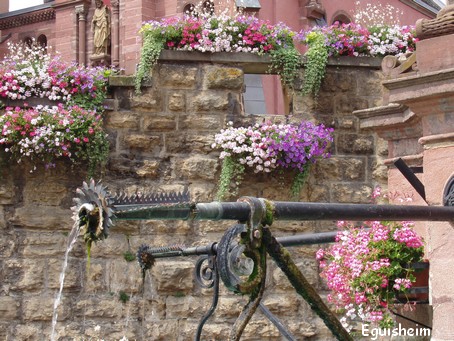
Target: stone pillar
424 132
81 11
115 33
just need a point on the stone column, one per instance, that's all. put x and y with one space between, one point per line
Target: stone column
115 33
81 11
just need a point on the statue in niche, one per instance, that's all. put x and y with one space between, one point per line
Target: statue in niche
101 29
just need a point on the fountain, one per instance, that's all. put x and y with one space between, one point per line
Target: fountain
239 258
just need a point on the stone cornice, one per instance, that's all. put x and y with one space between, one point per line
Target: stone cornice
418 79
27 18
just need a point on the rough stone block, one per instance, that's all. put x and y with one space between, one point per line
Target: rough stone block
173 277
24 275
42 217
7 193
355 144
149 169
211 122
122 120
206 101
124 276
51 194
97 307
197 167
188 143
149 101
223 78
72 273
352 193
9 308
177 101
41 309
43 244
160 122
178 76
142 141
180 307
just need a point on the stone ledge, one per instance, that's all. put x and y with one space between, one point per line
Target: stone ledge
250 63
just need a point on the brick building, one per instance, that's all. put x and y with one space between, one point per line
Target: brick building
65 25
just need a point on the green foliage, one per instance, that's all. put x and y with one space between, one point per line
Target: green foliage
287 64
123 297
315 66
129 256
151 49
231 171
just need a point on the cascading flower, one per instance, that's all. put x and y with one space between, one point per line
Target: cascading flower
368 266
267 147
45 134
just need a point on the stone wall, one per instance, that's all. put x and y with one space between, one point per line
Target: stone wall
160 142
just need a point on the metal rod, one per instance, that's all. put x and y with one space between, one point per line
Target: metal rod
283 259
411 177
277 323
301 211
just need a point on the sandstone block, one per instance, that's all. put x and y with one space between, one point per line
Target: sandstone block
160 122
223 78
198 167
24 275
188 142
355 144
163 330
51 194
44 244
9 308
124 276
351 193
207 101
122 120
178 76
41 309
42 217
7 193
149 169
186 306
177 101
200 122
142 141
97 307
149 101
173 277
2 218
72 273
7 245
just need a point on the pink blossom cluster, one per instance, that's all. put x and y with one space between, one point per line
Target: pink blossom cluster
356 40
49 133
28 70
267 146
368 265
219 33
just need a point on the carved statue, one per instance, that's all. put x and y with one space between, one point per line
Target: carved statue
101 28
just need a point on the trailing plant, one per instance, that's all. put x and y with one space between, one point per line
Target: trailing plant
269 147
28 70
287 63
350 40
316 60
43 135
368 266
218 33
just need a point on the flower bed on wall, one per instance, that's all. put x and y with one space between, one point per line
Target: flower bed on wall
69 125
222 33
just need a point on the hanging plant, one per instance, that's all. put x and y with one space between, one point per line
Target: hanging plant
267 148
219 33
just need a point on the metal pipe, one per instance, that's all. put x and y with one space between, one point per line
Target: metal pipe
281 210
411 177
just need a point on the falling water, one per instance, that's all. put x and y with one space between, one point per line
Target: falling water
71 241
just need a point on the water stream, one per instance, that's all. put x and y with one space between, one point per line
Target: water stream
71 241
